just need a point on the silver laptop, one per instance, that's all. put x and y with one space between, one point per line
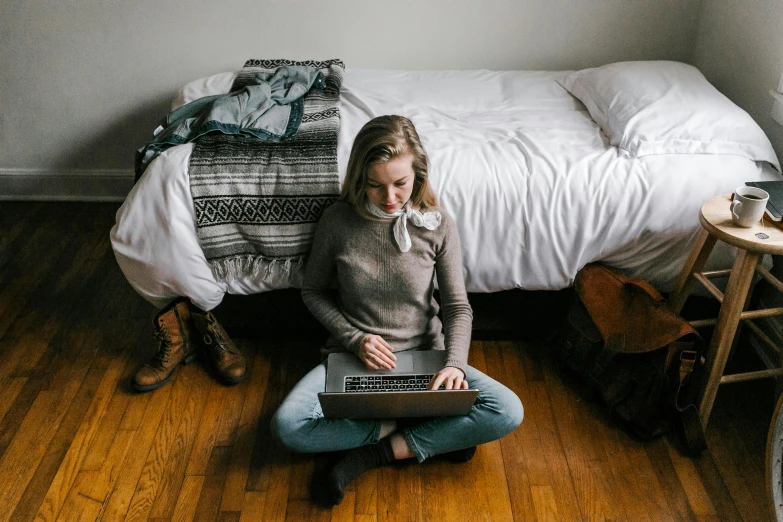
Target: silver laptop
355 392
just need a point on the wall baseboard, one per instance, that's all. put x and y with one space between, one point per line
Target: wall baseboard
64 185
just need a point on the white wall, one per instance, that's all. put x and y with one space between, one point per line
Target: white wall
84 82
739 48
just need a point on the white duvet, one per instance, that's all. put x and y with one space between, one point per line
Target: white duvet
535 188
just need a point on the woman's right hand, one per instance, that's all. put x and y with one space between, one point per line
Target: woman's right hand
376 353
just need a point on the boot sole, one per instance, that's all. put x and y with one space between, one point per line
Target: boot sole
150 387
236 380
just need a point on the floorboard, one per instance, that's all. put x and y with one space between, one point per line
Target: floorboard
77 443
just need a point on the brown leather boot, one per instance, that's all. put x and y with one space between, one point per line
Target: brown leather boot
221 350
173 327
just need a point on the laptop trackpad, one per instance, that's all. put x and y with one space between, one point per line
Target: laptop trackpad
403 364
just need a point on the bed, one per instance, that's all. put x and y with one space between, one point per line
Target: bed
543 172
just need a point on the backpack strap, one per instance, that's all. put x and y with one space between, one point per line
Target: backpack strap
648 288
612 346
688 420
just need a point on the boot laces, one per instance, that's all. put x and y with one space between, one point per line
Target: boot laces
213 335
164 343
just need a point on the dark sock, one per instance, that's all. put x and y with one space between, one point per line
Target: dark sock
462 455
353 464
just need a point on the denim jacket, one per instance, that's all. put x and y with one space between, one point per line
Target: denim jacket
269 109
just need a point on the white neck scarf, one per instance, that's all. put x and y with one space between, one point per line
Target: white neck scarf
429 220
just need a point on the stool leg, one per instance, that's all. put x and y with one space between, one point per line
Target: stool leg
728 319
695 263
741 324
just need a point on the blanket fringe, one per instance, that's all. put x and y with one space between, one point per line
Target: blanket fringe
250 265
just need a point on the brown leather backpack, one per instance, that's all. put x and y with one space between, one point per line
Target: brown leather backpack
627 350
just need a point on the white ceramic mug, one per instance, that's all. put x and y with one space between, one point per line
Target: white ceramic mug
748 206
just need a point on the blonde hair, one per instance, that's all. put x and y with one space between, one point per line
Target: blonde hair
380 140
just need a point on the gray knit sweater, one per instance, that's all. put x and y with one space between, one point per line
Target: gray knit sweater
383 291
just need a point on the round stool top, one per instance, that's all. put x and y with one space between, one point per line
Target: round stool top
715 217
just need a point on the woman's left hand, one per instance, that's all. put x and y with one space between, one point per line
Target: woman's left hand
451 377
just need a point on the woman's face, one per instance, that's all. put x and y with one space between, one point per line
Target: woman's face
390 184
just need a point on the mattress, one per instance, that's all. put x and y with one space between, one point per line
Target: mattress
533 184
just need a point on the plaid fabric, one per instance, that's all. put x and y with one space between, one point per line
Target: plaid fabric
257 202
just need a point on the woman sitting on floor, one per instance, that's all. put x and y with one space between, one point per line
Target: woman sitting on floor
383 242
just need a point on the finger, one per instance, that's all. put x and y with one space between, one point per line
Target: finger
381 362
437 380
382 346
383 357
366 347
369 364
465 385
445 381
450 382
386 354
388 347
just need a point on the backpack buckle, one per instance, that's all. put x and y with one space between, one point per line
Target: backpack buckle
687 361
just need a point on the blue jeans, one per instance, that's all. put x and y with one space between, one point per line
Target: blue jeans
301 426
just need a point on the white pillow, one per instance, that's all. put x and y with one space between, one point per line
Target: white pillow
661 107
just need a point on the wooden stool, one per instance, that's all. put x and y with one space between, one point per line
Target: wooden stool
752 243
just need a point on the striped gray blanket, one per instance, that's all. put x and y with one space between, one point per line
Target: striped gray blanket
257 202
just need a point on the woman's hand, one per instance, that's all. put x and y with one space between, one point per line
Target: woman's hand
452 377
377 353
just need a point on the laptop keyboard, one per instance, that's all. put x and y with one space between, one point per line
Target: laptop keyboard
387 383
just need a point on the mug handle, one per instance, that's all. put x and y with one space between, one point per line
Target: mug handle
734 204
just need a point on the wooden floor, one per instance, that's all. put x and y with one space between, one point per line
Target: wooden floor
76 444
